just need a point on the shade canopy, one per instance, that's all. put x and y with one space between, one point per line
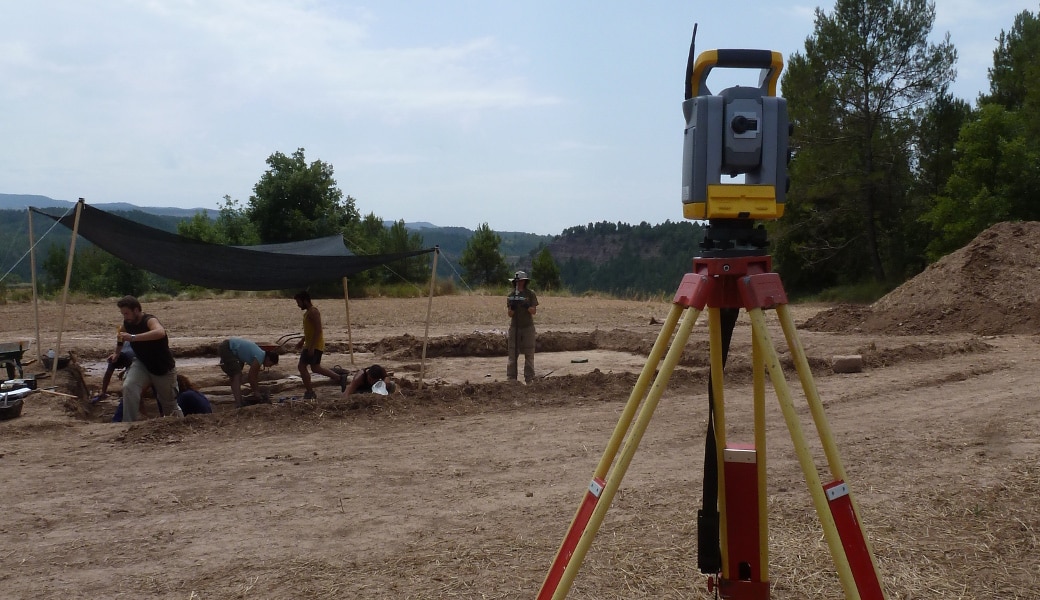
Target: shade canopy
265 267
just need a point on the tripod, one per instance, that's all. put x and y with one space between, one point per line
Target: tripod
723 285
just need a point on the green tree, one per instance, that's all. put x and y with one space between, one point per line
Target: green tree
234 225
297 201
867 67
200 227
119 278
366 237
54 267
369 235
934 157
94 271
935 141
1013 79
627 259
995 177
398 239
545 272
481 260
995 180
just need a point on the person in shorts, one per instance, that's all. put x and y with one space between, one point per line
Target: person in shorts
235 353
312 346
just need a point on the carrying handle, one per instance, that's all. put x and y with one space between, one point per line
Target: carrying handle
769 62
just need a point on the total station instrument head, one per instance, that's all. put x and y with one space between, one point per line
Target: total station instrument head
739 131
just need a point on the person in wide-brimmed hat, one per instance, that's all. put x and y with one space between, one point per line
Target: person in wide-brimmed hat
522 304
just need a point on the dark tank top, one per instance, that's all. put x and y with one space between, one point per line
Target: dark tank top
155 355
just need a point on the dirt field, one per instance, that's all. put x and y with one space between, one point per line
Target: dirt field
464 488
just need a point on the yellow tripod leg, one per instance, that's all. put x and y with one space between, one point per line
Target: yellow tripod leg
564 552
613 482
634 399
812 478
812 397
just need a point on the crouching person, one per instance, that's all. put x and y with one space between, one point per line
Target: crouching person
235 353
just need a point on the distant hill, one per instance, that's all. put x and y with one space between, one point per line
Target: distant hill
624 259
23 201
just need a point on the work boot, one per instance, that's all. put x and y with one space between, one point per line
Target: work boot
310 396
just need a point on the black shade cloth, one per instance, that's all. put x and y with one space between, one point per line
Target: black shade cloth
270 267
326 246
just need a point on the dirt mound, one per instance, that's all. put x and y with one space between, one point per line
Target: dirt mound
989 287
495 343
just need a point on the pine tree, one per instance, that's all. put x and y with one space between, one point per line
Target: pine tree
481 260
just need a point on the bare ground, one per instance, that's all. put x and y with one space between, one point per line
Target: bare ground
464 487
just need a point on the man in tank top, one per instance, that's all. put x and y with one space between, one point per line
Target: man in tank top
153 363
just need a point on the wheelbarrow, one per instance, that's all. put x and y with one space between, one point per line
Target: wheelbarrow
11 394
11 357
10 408
278 345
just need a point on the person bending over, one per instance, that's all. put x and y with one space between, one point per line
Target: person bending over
235 353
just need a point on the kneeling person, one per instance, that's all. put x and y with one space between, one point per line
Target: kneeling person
191 401
234 354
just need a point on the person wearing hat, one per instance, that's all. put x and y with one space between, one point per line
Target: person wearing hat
522 305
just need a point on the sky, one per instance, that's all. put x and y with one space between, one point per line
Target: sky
528 116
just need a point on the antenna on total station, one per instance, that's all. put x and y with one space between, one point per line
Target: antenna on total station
688 93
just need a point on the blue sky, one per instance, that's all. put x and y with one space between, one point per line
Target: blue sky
529 116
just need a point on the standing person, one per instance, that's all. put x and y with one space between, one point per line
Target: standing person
234 354
313 345
522 305
365 379
120 359
153 365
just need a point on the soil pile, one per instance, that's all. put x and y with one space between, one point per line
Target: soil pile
989 287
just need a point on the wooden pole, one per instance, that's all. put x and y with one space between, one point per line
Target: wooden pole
36 302
65 293
350 341
429 306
